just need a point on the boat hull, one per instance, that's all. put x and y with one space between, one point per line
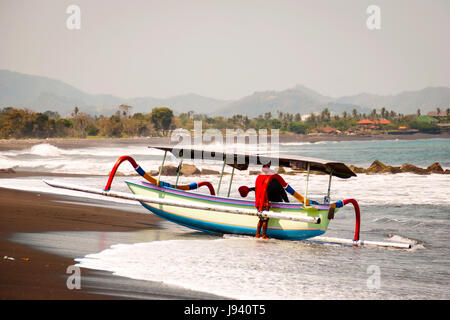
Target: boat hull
214 221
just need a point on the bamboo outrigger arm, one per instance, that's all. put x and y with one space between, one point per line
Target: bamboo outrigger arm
152 180
198 206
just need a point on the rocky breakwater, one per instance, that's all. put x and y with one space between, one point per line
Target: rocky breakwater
377 167
186 170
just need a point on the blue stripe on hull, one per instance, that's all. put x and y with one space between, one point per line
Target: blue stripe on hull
219 228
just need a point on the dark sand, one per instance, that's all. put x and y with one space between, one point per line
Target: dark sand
36 274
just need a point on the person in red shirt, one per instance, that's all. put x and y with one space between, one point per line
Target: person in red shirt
270 187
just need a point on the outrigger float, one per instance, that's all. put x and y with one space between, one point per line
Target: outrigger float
226 215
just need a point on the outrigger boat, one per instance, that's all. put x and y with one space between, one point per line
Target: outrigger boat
227 215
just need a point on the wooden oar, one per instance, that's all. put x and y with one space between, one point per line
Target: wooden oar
177 203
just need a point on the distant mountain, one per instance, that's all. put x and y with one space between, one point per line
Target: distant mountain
179 104
42 94
407 102
188 102
298 99
37 93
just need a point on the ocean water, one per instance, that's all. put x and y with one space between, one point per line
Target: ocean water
423 152
403 207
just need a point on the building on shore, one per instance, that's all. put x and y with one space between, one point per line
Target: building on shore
366 124
444 127
328 130
441 114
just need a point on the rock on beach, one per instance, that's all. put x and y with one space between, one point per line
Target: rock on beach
377 167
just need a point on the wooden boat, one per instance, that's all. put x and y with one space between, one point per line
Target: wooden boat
226 215
215 220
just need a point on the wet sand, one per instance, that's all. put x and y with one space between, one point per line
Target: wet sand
29 273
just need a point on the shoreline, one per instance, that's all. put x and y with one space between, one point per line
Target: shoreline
28 272
286 138
72 143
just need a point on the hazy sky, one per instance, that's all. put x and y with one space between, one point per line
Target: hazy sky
228 49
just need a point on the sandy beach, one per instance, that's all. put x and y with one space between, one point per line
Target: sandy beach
28 273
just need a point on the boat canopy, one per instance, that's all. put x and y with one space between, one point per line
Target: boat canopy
241 161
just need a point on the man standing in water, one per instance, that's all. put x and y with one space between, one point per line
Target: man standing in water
267 190
270 187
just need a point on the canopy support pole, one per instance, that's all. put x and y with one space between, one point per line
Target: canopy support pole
221 175
329 183
178 171
231 181
307 181
162 166
327 199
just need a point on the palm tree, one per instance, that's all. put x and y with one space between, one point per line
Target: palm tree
373 114
75 111
325 115
125 109
392 114
280 115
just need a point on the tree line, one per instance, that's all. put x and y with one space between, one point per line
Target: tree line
24 123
